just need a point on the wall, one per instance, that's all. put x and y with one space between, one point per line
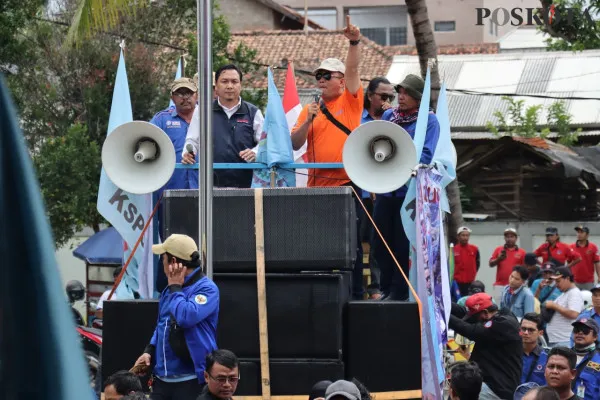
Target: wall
245 15
488 235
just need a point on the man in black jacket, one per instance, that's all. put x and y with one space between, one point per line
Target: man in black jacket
498 346
221 374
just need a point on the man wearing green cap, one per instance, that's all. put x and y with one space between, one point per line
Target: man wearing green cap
386 211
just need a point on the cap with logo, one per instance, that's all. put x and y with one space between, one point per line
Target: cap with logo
589 322
414 86
462 229
551 231
332 65
181 83
180 246
511 230
582 228
477 303
562 272
548 266
345 389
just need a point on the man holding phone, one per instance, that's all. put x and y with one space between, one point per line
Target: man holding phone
505 258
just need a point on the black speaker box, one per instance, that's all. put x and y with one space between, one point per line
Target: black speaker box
387 333
304 314
128 326
288 377
305 229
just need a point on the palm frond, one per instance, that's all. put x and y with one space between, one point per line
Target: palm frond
93 16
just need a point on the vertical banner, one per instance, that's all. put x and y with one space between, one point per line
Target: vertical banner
430 277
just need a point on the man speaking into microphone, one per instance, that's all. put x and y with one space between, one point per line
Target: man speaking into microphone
326 124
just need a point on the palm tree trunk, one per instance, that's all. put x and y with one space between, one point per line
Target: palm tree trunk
427 50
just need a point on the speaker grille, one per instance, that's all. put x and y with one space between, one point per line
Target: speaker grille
304 228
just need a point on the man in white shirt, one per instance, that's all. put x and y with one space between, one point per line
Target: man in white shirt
236 128
99 313
566 308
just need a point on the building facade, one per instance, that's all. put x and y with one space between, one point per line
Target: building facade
386 22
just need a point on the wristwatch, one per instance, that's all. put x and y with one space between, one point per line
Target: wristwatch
354 42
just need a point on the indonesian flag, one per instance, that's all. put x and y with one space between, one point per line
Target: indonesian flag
292 108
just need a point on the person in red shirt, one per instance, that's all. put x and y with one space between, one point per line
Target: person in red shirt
466 261
506 258
556 250
583 273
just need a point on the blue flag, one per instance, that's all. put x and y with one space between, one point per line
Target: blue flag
275 145
444 156
37 329
125 211
178 75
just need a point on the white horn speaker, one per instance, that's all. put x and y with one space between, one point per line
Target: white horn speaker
379 156
138 157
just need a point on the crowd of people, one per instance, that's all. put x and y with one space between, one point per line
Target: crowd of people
536 331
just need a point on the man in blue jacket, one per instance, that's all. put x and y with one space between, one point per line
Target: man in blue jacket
386 211
187 323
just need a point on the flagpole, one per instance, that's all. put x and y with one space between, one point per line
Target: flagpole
205 159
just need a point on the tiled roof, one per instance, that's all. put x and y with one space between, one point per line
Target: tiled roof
288 12
307 51
479 48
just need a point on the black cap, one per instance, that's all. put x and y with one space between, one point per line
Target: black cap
548 266
551 231
582 228
318 390
589 322
531 259
597 287
562 272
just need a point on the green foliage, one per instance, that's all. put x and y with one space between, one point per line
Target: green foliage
68 168
15 14
524 122
577 29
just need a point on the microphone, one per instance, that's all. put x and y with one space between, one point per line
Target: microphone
189 148
317 99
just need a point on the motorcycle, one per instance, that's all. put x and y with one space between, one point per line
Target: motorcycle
90 338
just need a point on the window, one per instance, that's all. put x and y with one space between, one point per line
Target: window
445 26
385 25
326 17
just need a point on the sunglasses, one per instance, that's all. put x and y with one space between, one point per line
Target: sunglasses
386 97
325 75
583 329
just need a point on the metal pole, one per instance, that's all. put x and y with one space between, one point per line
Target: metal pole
205 159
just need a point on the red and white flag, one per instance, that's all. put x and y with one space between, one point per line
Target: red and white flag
292 108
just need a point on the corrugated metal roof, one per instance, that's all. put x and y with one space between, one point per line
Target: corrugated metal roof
555 74
490 136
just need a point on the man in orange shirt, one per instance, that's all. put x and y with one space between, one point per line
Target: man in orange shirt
342 100
556 250
583 273
505 258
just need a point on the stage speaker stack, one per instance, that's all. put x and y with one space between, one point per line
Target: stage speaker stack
310 247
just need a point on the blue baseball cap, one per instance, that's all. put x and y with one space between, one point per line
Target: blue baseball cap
523 389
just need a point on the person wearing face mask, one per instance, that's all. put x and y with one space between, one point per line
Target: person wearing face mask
587 380
237 128
594 312
544 288
498 350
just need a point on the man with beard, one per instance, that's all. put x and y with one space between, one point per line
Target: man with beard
237 128
498 346
386 212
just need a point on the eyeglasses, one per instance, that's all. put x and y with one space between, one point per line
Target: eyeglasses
326 75
185 95
224 379
528 330
583 329
386 97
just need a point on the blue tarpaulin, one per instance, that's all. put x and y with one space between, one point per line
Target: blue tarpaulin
104 247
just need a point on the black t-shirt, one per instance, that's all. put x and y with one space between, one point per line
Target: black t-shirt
575 397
